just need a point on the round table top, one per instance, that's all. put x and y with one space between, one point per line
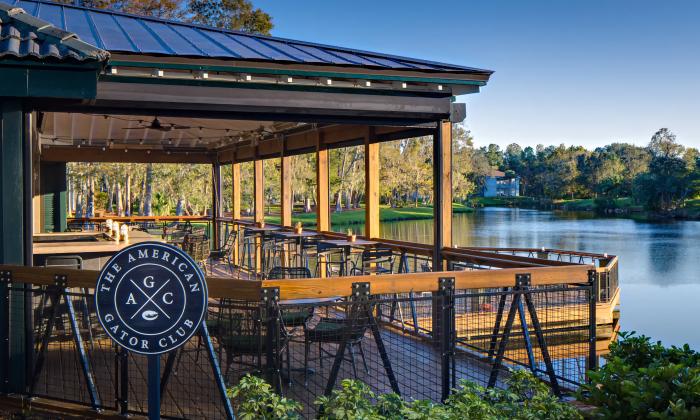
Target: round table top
262 229
345 242
303 234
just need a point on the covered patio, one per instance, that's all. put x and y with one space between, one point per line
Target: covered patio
88 85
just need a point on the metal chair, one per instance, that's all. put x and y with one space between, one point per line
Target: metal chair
197 247
241 327
226 250
350 330
330 258
292 318
375 261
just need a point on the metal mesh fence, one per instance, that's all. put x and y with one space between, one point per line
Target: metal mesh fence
418 344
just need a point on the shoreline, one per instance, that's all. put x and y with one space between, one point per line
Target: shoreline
357 216
622 207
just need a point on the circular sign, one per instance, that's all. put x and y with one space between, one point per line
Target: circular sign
151 297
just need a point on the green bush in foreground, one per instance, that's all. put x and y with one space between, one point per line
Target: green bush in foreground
526 398
641 379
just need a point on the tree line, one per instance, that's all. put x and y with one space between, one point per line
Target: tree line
661 176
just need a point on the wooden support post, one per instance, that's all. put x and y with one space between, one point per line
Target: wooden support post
236 204
323 218
371 186
259 191
216 203
287 201
442 191
259 207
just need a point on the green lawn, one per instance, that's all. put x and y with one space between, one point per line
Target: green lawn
503 201
386 214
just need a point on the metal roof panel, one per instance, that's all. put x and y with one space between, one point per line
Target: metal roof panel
208 47
139 35
263 48
176 42
77 21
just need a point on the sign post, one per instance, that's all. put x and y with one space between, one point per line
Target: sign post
151 298
154 387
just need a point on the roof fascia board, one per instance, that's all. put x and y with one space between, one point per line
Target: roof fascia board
270 102
336 72
271 86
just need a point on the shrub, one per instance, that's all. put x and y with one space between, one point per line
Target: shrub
254 399
641 379
526 398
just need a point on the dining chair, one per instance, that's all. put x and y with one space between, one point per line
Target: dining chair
225 252
374 261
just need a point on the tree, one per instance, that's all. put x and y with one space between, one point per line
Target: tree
663 144
494 155
230 14
667 184
238 15
164 9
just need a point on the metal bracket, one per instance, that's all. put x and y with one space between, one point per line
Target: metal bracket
523 280
361 291
446 284
592 276
60 280
269 295
5 276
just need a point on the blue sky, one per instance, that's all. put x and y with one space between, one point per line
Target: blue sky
574 72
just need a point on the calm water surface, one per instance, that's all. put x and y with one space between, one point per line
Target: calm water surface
659 262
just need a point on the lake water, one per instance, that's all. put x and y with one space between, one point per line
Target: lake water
659 262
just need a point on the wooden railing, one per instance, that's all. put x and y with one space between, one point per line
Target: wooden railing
460 258
226 287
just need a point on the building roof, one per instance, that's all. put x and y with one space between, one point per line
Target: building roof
118 32
495 173
24 36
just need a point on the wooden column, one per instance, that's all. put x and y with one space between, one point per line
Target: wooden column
236 205
371 186
258 191
287 201
216 203
259 208
236 191
323 219
442 191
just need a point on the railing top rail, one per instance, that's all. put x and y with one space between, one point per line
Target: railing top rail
505 260
139 219
220 287
546 250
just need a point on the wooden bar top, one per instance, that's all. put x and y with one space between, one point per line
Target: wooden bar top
85 242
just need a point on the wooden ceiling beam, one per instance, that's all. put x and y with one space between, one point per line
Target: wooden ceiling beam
305 142
90 154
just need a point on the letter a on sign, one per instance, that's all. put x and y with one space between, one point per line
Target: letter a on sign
131 300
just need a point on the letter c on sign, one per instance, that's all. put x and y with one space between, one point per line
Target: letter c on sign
169 296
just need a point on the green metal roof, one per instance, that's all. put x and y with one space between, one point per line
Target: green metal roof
124 33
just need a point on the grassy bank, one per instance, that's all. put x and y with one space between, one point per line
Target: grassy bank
623 206
386 214
526 202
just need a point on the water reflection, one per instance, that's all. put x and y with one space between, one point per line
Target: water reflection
659 261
